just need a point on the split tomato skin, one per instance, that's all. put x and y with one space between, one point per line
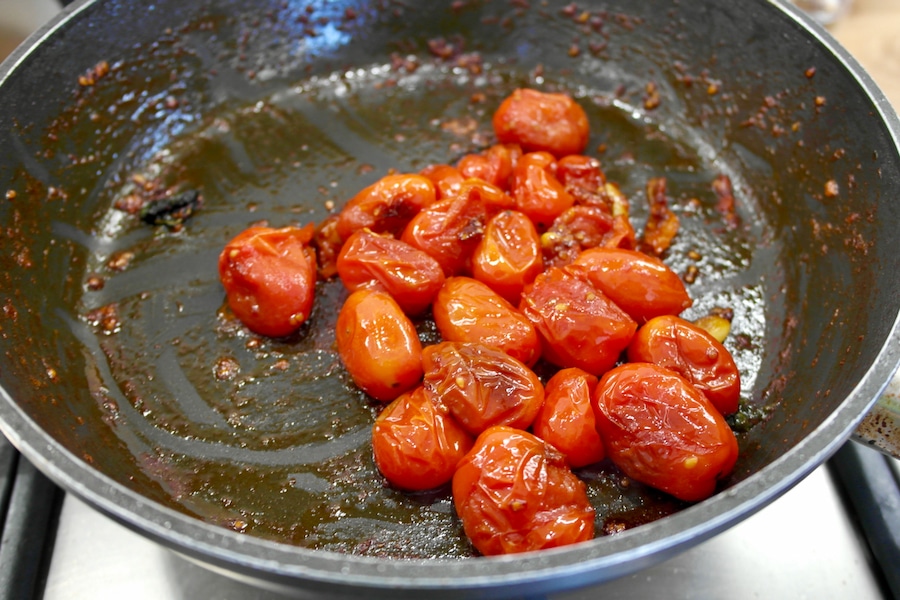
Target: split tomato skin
566 419
378 345
417 447
660 430
269 276
541 121
693 353
514 493
509 255
387 205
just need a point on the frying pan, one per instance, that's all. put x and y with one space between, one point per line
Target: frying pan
127 383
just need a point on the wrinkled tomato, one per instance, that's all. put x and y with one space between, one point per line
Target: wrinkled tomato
387 205
417 447
694 354
660 430
662 224
515 493
540 121
269 276
378 345
494 165
509 254
574 231
642 285
537 191
481 386
466 310
566 419
375 261
446 179
583 178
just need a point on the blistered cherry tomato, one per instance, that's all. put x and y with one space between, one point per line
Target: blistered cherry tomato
539 121
660 430
417 447
509 255
566 419
466 310
694 354
378 345
375 261
578 325
446 179
481 386
269 277
573 232
583 178
515 493
387 205
537 191
494 165
642 285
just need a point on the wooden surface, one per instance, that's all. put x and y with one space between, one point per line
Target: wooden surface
871 33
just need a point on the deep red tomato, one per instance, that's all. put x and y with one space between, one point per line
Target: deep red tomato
494 165
539 121
269 277
481 386
566 419
466 310
446 179
515 493
416 446
578 325
660 430
387 205
574 231
411 277
583 178
509 254
642 285
694 354
537 191
378 345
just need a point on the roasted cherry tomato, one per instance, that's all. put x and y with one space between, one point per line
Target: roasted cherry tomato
387 205
446 179
375 261
494 165
269 277
416 446
378 345
515 493
566 419
660 430
642 285
537 191
539 121
694 354
509 254
466 310
481 386
578 325
328 243
583 178
574 231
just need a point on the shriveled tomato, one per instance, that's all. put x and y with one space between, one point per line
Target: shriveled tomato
269 277
537 191
446 179
509 254
642 285
578 325
328 243
694 354
481 386
662 224
416 446
660 430
583 178
494 165
573 232
387 205
375 261
378 345
540 121
466 310
515 493
566 419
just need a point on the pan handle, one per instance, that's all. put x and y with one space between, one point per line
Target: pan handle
880 428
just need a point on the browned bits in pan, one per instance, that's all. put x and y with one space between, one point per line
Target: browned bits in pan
651 98
662 224
94 74
725 204
832 189
120 261
11 194
810 72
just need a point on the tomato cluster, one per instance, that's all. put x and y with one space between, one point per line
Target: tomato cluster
522 253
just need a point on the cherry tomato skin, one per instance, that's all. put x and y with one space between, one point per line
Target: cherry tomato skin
509 255
537 191
514 493
693 353
417 447
495 165
446 179
574 231
481 386
578 325
328 243
378 345
387 205
269 276
660 430
375 261
539 121
566 419
642 285
466 310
